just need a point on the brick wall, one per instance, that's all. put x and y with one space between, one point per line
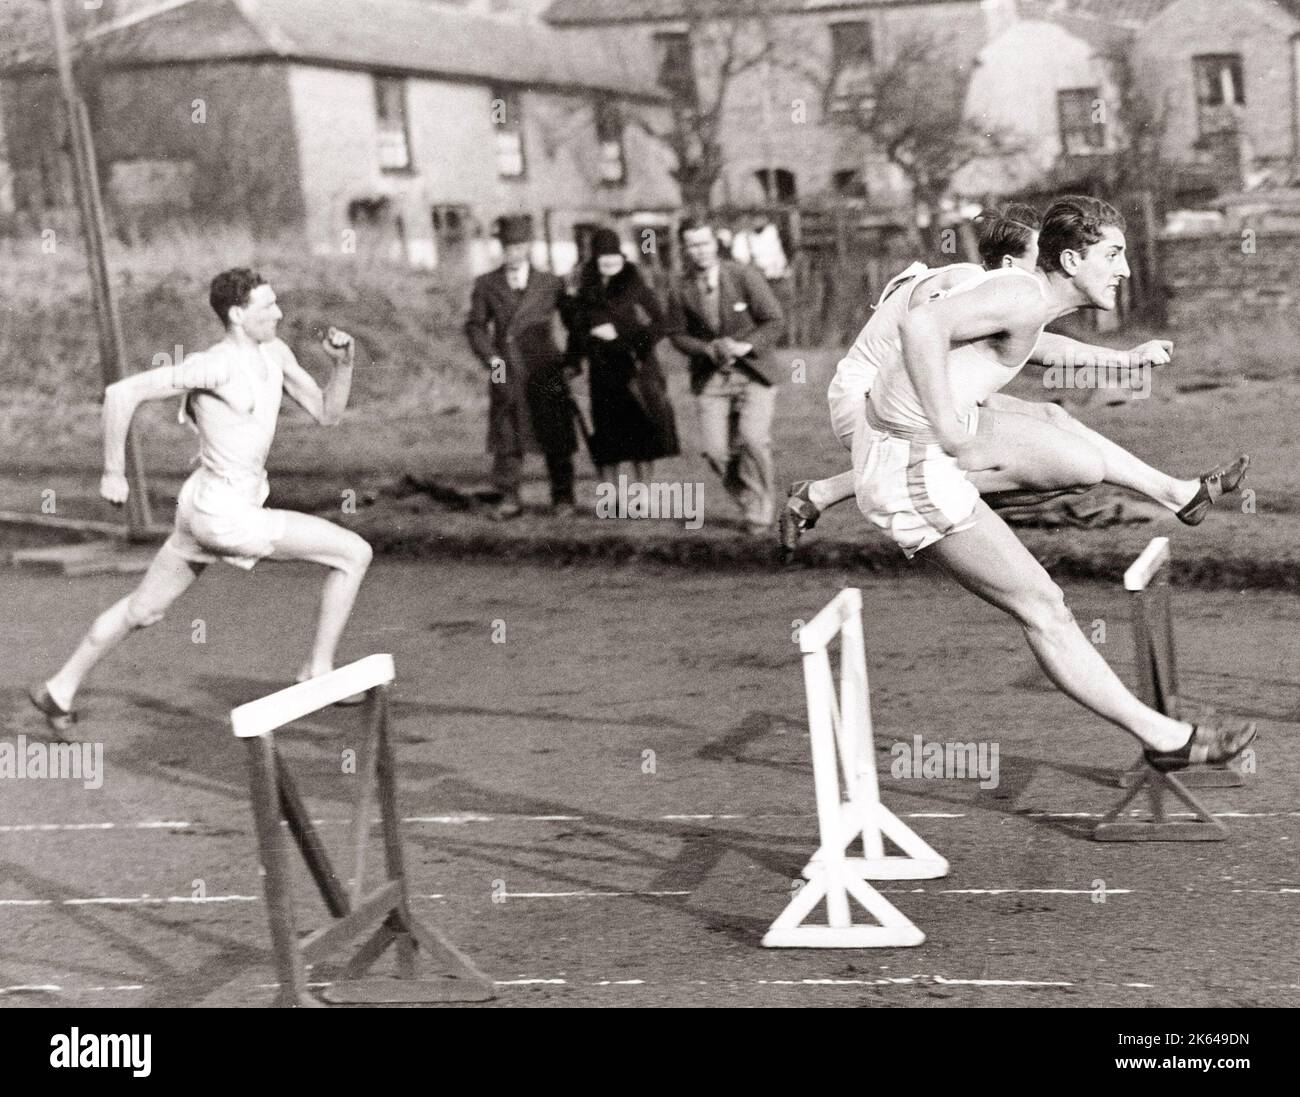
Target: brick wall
239 157
1229 274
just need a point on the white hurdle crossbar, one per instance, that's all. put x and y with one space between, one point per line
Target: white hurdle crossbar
848 802
293 703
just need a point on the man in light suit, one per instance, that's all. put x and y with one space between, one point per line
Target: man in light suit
724 317
510 329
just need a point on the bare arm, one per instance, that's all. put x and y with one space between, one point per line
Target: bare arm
1002 306
122 398
324 405
1058 350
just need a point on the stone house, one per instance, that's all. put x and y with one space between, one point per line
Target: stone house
1230 91
1048 85
410 123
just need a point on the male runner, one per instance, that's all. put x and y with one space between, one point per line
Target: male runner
914 454
232 395
1052 455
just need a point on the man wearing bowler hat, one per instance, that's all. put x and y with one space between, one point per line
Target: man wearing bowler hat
511 330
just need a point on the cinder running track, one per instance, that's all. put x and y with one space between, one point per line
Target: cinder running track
611 806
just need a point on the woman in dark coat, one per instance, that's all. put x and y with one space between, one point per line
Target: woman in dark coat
616 322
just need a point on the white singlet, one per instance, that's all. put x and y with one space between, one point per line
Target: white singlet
877 344
219 514
906 485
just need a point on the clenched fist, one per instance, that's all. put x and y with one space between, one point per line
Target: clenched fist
114 488
1154 352
339 345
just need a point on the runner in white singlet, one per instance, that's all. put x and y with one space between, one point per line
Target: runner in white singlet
913 457
231 395
1052 453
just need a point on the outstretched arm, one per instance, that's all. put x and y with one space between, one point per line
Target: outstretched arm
999 307
324 405
1058 350
121 398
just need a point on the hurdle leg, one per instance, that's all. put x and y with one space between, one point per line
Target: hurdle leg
412 932
313 850
365 793
275 875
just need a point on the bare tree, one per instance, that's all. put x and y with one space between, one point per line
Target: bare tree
910 106
725 39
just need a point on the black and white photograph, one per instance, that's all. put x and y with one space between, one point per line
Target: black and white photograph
628 504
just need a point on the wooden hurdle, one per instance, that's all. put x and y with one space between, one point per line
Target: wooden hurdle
1147 582
384 911
848 802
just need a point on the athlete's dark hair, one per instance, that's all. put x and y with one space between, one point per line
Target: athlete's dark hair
1073 223
691 224
1008 230
231 289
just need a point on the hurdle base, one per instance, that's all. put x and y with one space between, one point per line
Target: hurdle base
1159 827
834 886
1193 777
1150 830
844 937
870 825
390 991
886 868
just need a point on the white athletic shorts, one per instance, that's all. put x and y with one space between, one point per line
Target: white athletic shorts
218 520
847 397
906 485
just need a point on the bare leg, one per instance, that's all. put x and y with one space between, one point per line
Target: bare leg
307 537
1121 467
834 489
644 471
169 576
990 561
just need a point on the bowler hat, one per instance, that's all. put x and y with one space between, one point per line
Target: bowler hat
515 229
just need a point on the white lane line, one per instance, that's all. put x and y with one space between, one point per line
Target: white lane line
459 818
465 818
154 824
1034 891
1171 814
908 981
212 900
131 900
587 894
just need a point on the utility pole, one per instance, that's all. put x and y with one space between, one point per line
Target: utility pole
112 351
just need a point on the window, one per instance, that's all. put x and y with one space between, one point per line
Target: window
453 231
778 184
394 138
849 183
1079 114
676 65
507 118
609 138
851 57
1220 90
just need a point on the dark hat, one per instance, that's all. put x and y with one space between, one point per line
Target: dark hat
515 229
605 242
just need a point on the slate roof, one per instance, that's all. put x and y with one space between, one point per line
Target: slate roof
400 36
